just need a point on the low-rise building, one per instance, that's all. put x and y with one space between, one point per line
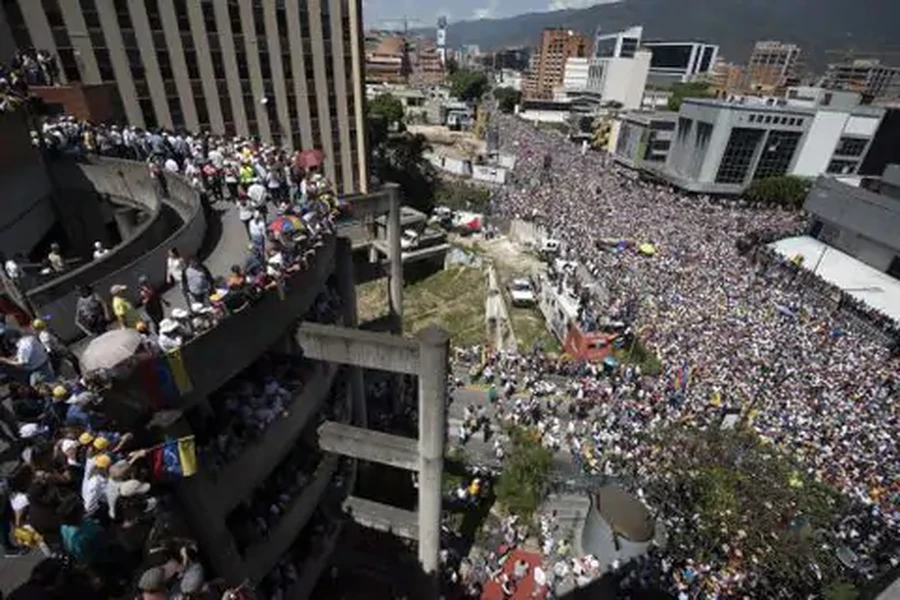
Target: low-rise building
868 77
644 137
859 222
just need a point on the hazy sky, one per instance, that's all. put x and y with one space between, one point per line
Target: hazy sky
382 13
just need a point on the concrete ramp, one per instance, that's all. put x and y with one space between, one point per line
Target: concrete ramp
383 517
364 444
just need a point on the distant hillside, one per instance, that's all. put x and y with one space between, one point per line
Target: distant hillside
817 25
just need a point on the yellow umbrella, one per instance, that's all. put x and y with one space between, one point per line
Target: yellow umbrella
648 249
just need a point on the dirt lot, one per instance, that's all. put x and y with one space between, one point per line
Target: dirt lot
452 298
512 261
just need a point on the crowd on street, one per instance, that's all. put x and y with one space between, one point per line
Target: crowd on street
737 329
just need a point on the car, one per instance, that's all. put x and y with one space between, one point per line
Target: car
549 248
409 240
522 293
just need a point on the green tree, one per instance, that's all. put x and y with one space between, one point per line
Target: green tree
526 468
507 98
459 195
787 191
451 66
400 158
468 85
387 107
735 490
680 91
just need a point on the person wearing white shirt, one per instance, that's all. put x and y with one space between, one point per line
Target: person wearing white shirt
13 270
32 357
169 338
257 229
216 157
257 193
171 165
99 250
95 482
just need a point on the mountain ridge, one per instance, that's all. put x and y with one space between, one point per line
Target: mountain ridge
818 26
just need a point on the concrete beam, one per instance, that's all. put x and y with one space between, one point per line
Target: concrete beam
413 255
356 442
358 348
365 205
383 517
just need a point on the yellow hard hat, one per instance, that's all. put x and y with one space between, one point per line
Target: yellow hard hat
101 443
102 461
85 438
60 391
38 324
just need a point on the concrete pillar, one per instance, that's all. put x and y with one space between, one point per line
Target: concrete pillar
433 354
393 244
126 221
347 289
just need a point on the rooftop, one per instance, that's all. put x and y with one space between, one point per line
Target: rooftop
878 290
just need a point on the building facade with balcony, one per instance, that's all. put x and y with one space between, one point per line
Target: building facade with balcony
287 72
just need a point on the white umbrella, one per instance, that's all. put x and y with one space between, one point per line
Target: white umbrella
110 349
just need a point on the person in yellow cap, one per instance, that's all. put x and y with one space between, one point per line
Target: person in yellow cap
86 438
96 479
100 444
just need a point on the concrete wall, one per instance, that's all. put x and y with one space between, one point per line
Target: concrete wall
821 139
489 174
143 254
456 166
27 194
216 356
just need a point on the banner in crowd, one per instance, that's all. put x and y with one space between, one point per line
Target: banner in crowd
165 379
174 459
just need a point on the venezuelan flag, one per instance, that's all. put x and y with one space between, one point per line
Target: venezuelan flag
179 458
179 372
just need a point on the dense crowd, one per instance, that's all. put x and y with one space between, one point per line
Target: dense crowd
84 490
735 326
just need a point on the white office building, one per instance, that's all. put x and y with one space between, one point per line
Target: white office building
680 62
622 44
720 147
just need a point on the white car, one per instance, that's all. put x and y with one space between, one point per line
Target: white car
409 239
522 293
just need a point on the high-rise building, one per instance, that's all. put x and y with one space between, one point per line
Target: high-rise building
622 44
557 46
441 36
289 72
773 65
680 62
866 76
727 78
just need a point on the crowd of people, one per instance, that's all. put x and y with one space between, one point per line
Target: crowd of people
735 326
85 491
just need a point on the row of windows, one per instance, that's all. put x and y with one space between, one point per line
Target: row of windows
776 120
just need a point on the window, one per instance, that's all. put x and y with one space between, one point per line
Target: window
209 17
850 146
768 119
738 155
149 114
88 10
193 65
842 167
241 58
752 118
104 64
181 15
799 122
826 99
777 154
153 14
70 66
218 65
165 65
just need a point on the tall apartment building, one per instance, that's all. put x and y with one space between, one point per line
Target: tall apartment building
773 65
866 76
557 46
728 78
289 72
